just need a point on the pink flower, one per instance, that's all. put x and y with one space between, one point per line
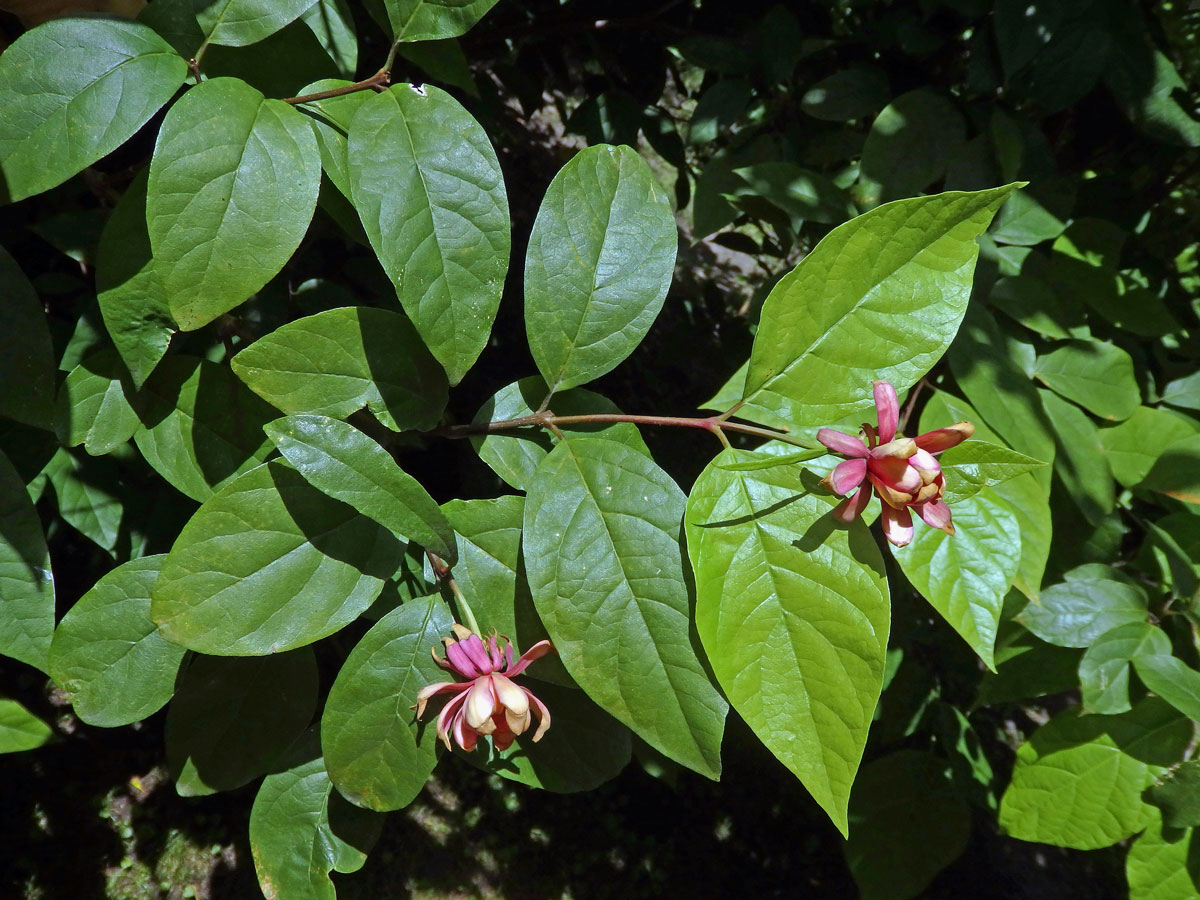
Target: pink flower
903 471
489 702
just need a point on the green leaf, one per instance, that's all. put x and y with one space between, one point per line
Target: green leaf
1079 461
332 23
965 576
804 195
771 462
599 265
1172 679
1162 868
1091 600
1027 667
1177 795
132 299
267 564
910 144
27 367
232 719
880 297
1132 447
1146 88
342 462
430 193
338 361
851 93
1104 669
201 427
1176 472
301 830
20 729
793 612
584 747
908 823
602 552
1096 375
515 455
232 187
94 405
87 493
378 755
1078 780
26 583
429 20
57 119
236 23
330 119
974 465
107 654
1183 392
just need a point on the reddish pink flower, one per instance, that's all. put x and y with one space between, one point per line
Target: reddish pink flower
903 471
489 702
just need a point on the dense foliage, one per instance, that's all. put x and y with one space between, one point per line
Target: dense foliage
323 400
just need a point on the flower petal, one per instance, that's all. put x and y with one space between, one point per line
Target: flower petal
464 735
897 526
846 476
543 715
481 702
473 646
926 465
446 718
900 448
852 507
887 405
459 661
840 442
537 651
936 515
442 687
945 438
889 495
509 695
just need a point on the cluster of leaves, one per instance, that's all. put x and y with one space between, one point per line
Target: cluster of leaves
227 421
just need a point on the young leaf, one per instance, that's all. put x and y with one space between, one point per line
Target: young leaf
56 118
20 729
431 20
201 428
880 297
341 360
232 719
1096 375
341 461
965 576
107 654
232 187
377 754
236 23
1078 781
599 265
429 191
267 564
27 365
974 465
793 613
1104 669
26 584
132 299
603 557
1091 600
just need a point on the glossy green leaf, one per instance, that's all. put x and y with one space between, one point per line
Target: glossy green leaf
515 455
232 187
584 747
1132 447
342 462
1096 375
132 299
908 822
1176 472
330 120
1162 868
1104 669
1092 599
428 188
26 583
1079 460
201 427
793 612
87 492
232 719
429 20
27 366
236 23
56 119
270 563
1172 679
599 265
1183 392
974 465
332 23
965 576
20 729
378 755
881 297
910 144
339 361
1177 795
108 656
95 405
301 830
602 553
1078 779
